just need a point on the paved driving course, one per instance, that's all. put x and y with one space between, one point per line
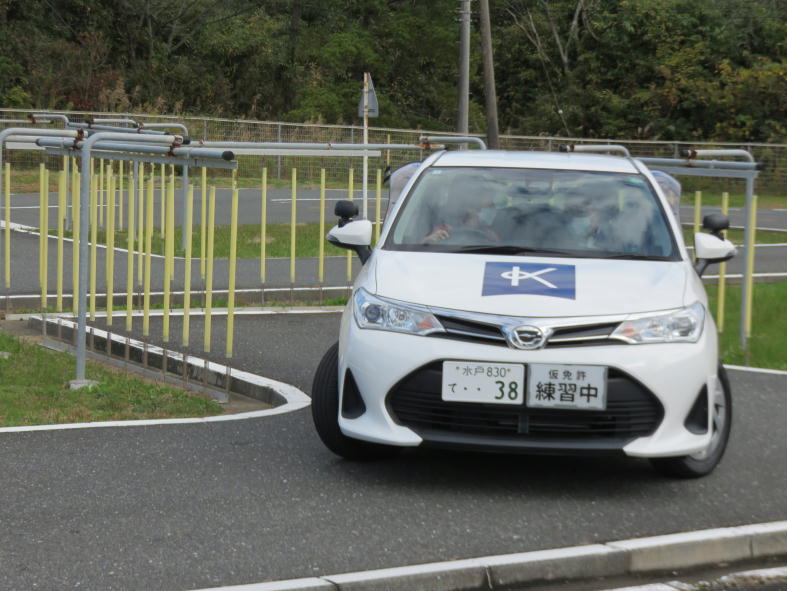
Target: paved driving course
194 506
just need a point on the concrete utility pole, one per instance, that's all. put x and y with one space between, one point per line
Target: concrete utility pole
464 66
490 94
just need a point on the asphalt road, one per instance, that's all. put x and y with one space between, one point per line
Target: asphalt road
191 506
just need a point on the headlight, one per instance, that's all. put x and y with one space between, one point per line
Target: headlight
681 326
381 314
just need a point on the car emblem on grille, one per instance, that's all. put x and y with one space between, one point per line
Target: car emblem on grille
526 337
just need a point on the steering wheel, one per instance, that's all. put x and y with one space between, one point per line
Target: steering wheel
468 233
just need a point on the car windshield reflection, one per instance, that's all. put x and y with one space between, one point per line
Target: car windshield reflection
529 211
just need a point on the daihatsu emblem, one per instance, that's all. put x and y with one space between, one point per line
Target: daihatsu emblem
526 337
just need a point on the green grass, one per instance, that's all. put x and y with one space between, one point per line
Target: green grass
307 241
769 325
761 237
34 391
736 200
308 238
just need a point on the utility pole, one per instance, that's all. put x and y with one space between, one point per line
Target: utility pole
490 94
464 66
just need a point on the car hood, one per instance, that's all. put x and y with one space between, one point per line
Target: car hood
529 286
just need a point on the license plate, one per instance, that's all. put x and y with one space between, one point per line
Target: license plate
579 387
494 383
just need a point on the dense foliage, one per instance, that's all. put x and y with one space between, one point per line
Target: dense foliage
666 69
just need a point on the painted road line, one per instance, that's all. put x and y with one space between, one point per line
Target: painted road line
774 372
19 296
33 231
251 311
740 276
618 558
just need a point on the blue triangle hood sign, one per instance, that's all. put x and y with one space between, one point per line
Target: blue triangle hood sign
374 109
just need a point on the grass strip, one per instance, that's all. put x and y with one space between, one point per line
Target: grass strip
736 236
769 325
308 239
34 391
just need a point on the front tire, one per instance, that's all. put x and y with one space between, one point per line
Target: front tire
325 413
702 463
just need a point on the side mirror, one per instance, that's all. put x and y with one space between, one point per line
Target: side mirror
716 223
345 210
710 248
352 235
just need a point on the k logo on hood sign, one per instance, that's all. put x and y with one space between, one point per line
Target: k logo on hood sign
557 281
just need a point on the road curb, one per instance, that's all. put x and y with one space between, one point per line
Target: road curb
621 557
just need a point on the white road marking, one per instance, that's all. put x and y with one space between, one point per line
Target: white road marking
296 398
774 372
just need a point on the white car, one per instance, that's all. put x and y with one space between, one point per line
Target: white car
528 302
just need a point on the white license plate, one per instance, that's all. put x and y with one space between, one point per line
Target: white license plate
494 383
580 387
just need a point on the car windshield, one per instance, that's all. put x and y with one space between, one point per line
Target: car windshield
519 210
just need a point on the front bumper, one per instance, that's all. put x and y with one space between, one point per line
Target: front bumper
667 379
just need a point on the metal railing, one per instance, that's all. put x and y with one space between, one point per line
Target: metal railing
136 178
772 181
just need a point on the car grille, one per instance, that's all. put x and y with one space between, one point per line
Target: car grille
632 411
464 329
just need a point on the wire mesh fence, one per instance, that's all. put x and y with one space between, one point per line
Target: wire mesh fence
772 180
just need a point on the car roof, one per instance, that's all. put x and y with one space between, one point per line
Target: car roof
543 160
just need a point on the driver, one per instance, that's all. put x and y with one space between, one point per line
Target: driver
471 219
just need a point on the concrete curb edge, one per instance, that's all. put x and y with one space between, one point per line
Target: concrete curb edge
620 557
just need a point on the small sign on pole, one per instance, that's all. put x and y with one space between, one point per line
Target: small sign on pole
373 107
367 107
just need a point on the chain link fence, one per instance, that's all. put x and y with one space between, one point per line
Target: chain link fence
772 181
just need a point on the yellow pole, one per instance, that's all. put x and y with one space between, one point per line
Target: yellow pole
76 183
110 261
697 210
162 216
130 254
209 270
721 300
100 193
93 239
378 198
121 178
140 222
321 264
148 251
61 214
203 222
187 272
388 152
749 279
7 191
170 215
263 222
293 193
233 261
350 194
41 171
45 240
169 242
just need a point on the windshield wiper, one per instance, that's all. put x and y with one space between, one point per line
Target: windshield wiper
509 249
634 257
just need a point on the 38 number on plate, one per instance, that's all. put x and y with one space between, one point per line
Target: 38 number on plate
496 383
